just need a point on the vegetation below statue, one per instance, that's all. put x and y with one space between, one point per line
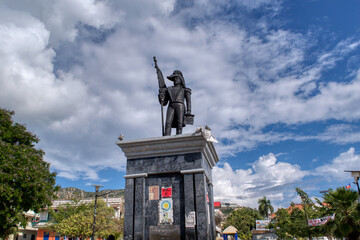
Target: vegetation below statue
26 180
76 220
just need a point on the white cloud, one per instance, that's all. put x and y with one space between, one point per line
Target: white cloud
74 170
267 177
61 17
277 180
241 81
348 160
26 74
58 106
336 133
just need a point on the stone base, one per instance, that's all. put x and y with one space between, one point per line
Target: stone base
184 164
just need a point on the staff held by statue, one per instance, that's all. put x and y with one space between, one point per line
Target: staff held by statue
162 86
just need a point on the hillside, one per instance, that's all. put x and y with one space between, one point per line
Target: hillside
75 193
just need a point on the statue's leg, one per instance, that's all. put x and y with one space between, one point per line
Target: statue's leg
179 117
170 113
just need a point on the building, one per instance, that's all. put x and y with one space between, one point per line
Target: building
28 232
230 205
217 204
268 234
262 231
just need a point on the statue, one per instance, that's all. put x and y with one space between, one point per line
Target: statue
177 116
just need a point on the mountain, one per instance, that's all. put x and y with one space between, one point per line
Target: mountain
70 193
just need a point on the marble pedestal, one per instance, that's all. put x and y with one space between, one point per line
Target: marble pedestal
184 164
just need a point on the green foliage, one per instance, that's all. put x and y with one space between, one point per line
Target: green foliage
76 220
283 224
342 202
244 220
226 211
304 197
26 181
265 207
298 226
67 210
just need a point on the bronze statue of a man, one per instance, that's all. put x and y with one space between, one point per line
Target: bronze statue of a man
177 115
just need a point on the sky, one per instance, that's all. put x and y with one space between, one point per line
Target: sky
277 81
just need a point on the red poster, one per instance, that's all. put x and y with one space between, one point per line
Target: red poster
166 192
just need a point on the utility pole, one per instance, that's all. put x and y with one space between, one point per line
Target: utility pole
356 176
357 184
97 187
306 216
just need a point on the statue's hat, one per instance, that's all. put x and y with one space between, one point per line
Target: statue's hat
176 73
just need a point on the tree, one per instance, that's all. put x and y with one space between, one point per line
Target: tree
342 202
292 222
244 220
299 227
76 220
283 224
265 207
26 180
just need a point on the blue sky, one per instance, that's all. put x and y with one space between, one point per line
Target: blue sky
277 81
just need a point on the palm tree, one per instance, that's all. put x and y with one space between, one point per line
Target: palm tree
265 207
343 202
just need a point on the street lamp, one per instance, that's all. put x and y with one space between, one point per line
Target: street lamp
356 176
304 200
97 187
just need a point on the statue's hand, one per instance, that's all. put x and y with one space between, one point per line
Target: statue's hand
161 98
162 95
188 113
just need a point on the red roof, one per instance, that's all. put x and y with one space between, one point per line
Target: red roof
291 208
217 204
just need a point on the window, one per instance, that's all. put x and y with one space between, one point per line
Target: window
43 216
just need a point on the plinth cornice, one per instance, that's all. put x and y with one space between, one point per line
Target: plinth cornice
169 145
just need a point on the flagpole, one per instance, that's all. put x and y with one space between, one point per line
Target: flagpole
162 118
162 85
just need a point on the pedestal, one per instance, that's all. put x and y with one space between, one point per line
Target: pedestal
168 189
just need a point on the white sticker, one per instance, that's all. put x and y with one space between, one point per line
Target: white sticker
190 219
166 212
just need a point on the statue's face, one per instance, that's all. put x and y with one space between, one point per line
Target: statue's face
177 81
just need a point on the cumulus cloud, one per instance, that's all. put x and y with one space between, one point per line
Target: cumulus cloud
27 80
62 17
348 160
267 176
291 99
57 105
79 92
277 180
